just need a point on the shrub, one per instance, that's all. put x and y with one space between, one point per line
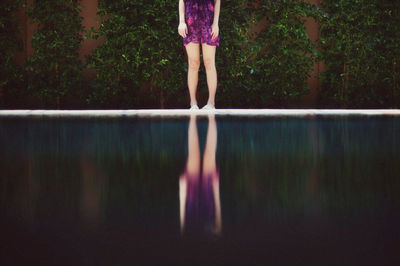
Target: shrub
233 54
11 75
282 54
361 50
141 62
54 70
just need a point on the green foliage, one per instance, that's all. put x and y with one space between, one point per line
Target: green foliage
54 69
141 62
233 54
11 76
361 50
282 55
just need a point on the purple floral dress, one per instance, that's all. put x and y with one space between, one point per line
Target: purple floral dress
199 16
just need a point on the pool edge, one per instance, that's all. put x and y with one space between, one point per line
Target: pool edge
186 112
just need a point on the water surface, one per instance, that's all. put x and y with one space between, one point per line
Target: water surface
200 190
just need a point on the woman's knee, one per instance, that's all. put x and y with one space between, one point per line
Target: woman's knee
209 63
194 63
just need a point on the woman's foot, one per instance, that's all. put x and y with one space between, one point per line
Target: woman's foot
194 107
208 107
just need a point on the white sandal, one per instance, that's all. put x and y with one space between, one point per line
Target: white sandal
194 107
208 107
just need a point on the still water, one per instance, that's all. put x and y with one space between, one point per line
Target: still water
200 191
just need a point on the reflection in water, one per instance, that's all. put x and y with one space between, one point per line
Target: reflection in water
71 189
200 207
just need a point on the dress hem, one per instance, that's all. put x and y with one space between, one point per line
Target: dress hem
201 43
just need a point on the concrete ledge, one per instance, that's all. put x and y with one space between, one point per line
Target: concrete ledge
186 112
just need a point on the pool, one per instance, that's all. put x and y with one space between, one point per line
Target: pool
200 189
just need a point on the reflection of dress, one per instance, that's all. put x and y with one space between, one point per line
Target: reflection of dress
200 205
199 16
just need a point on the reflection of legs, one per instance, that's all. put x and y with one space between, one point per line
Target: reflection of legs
193 161
182 200
192 166
193 52
209 164
210 169
209 64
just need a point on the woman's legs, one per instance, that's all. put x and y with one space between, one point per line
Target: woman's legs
193 52
193 159
211 71
209 162
192 170
210 170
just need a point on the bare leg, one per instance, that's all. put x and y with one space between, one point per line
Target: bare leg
211 71
192 167
210 169
193 52
193 160
182 200
209 164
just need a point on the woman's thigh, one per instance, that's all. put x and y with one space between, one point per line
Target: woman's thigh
193 53
208 54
